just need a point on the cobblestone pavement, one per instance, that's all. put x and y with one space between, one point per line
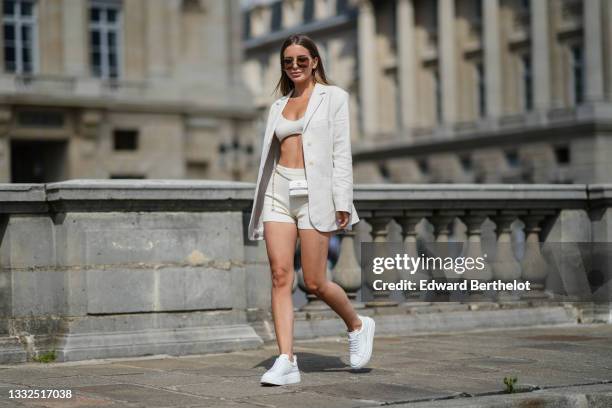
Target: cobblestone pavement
558 366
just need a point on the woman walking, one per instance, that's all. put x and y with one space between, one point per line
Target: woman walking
305 188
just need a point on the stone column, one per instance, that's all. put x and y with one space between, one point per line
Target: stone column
593 46
234 34
608 43
5 145
492 56
406 63
368 78
156 38
447 60
75 37
540 54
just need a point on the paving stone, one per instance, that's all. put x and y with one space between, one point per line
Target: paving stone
147 396
310 400
77 401
166 364
68 382
220 371
164 379
451 385
376 391
234 388
60 370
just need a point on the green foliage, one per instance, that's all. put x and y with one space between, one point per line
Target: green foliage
509 382
46 357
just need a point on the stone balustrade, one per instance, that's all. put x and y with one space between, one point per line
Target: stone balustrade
113 268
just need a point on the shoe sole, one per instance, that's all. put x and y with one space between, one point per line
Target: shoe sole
290 378
366 358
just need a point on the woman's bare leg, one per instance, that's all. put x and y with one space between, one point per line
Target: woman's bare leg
280 240
314 247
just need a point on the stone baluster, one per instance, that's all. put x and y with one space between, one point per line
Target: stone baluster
441 221
534 266
408 222
473 249
505 267
379 234
347 272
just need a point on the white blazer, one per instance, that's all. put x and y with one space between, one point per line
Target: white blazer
328 162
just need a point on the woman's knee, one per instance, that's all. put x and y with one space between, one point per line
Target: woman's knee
281 276
315 286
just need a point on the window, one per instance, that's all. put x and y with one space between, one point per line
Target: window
562 154
577 75
277 16
308 11
104 37
384 172
466 162
525 5
341 6
512 158
478 9
481 90
434 12
527 80
423 165
125 139
19 29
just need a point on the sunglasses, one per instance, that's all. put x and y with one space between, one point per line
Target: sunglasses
302 62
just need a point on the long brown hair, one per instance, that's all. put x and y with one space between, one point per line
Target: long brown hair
285 83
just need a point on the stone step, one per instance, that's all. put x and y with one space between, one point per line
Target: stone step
324 323
177 341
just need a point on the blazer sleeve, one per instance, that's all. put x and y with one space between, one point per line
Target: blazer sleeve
342 175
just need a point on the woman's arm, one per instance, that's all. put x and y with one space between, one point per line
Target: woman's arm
342 179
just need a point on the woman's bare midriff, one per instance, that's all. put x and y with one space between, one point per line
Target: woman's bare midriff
291 152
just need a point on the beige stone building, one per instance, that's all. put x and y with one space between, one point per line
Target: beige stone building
123 89
456 90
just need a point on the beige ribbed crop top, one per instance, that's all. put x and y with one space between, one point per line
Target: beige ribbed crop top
286 127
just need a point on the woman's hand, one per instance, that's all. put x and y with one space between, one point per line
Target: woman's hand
342 219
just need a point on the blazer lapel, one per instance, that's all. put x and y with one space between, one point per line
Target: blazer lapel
315 100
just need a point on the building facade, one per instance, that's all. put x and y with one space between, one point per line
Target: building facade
486 91
123 89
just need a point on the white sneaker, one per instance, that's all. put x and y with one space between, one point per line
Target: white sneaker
361 342
283 372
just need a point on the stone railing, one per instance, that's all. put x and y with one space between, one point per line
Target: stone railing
101 268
